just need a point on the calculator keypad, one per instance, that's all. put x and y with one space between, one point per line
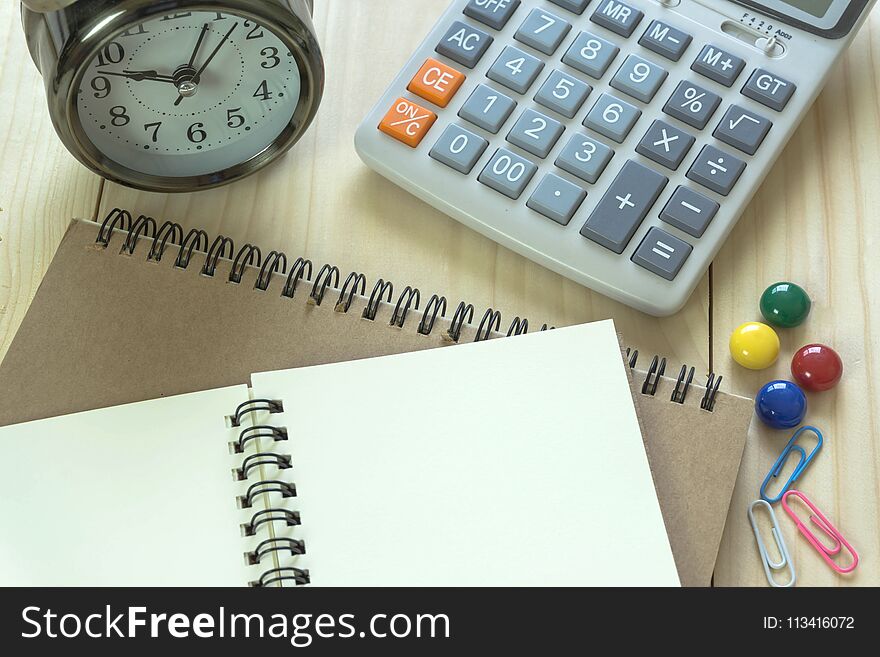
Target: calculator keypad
515 69
508 173
535 132
543 31
487 108
494 13
719 65
556 198
563 93
558 67
692 104
624 206
742 129
584 157
618 17
665 144
612 117
459 148
591 54
638 78
665 40
716 170
464 44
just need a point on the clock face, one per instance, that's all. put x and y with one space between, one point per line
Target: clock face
188 93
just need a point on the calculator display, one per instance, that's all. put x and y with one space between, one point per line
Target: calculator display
817 8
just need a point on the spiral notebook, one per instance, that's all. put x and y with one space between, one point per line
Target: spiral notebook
155 312
295 486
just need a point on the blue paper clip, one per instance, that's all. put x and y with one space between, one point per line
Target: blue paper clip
804 461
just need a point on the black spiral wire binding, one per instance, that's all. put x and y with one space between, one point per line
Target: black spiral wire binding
464 314
436 306
410 297
169 231
249 434
707 403
142 225
355 284
114 218
195 240
270 545
275 263
247 256
254 406
380 290
254 461
519 327
682 383
324 280
491 322
297 273
271 488
218 250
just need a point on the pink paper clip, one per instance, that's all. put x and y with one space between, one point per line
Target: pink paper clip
819 519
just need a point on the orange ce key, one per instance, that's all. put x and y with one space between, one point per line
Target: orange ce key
436 82
407 122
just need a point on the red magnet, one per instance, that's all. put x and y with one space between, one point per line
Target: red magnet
816 367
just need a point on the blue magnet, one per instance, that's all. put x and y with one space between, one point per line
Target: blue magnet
781 404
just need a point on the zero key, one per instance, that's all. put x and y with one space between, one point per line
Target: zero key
407 122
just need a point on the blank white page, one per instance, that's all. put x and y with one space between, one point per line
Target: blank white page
508 462
137 495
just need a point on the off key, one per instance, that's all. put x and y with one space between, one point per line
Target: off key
407 122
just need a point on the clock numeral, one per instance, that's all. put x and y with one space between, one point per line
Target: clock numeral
136 30
233 119
263 92
101 86
256 31
113 53
196 134
220 17
175 16
155 128
272 58
120 116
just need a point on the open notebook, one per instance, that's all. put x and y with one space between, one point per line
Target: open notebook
153 318
322 477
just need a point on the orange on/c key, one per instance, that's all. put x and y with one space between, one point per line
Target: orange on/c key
407 122
436 82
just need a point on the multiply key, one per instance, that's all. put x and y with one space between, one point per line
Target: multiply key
624 206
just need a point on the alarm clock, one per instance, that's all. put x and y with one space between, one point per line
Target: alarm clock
180 95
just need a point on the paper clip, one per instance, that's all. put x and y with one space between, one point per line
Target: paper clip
818 519
804 461
771 567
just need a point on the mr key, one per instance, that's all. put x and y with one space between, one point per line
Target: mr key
616 143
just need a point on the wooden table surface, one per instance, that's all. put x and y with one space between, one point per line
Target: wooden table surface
812 222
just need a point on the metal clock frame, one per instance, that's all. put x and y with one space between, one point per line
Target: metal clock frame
64 36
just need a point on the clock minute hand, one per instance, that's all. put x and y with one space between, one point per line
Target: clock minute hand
198 75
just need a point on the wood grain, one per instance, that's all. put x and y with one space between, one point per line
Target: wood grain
41 185
321 201
814 222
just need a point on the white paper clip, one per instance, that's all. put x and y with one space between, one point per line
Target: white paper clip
771 567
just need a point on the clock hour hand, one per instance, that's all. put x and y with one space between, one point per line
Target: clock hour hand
140 76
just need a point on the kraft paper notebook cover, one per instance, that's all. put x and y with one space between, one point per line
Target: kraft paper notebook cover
149 329
489 495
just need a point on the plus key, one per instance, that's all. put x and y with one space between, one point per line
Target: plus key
624 206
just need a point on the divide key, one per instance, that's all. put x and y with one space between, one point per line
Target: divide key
624 206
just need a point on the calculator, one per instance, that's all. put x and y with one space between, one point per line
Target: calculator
614 142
